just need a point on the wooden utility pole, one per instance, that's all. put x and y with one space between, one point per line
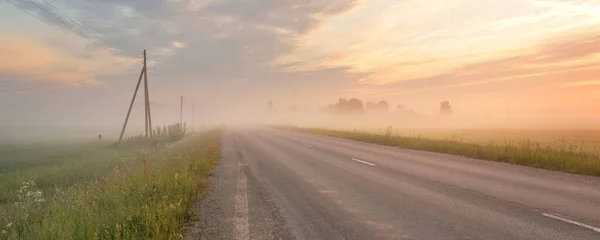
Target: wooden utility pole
148 116
147 108
181 113
145 97
131 104
193 115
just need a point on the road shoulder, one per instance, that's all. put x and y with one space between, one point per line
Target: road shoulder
236 206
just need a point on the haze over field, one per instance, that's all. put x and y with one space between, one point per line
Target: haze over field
300 119
513 63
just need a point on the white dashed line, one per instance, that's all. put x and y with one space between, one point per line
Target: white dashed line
241 230
308 145
572 222
364 162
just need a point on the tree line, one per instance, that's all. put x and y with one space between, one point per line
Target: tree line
356 106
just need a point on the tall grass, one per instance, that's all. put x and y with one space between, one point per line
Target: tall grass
562 156
145 198
166 133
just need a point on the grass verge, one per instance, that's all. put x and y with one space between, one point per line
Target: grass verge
566 158
145 198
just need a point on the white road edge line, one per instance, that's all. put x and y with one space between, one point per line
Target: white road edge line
308 145
571 222
364 162
241 229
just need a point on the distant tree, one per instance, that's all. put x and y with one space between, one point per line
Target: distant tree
400 108
371 107
270 106
380 107
446 108
158 132
356 105
342 105
406 112
383 106
353 105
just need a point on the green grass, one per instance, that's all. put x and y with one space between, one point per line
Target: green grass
98 192
58 165
559 156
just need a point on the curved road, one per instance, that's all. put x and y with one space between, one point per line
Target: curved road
316 187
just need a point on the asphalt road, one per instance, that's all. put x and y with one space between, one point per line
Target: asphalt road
277 184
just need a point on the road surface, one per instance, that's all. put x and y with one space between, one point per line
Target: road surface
278 184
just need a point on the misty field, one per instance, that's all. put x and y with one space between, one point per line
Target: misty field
96 191
572 151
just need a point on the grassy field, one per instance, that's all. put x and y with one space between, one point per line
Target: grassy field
584 140
95 191
572 151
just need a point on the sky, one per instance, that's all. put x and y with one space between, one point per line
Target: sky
79 65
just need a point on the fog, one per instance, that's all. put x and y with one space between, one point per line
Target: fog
536 68
85 119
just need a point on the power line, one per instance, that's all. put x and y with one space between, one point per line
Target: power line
79 24
73 28
76 31
181 112
76 24
52 15
74 34
39 18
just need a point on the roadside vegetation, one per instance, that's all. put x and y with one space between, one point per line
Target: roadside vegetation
97 191
559 155
170 133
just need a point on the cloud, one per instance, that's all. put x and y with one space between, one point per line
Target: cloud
566 63
178 44
191 42
583 83
297 16
239 52
580 53
382 35
33 60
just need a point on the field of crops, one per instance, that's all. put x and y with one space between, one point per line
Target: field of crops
96 191
573 151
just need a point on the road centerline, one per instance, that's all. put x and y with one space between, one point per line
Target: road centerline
572 222
363 162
